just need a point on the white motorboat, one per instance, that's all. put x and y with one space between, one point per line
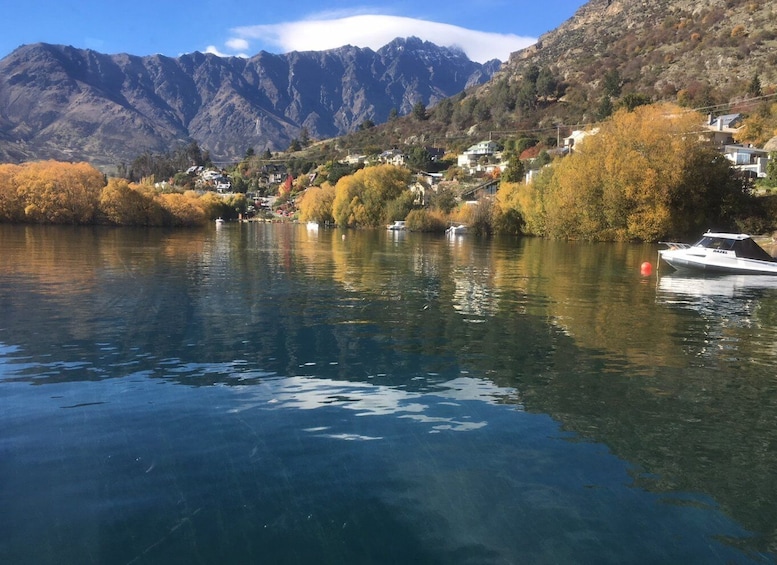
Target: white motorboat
219 221
457 229
398 225
720 253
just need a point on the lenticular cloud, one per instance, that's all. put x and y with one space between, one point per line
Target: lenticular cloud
374 31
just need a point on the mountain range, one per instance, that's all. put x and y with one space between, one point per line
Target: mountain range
72 104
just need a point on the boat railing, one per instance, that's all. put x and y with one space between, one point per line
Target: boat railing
675 245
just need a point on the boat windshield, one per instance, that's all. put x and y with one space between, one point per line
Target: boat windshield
716 243
746 248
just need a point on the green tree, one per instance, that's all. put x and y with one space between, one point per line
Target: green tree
514 171
443 112
419 111
632 100
771 170
418 158
605 108
304 137
754 88
546 84
612 83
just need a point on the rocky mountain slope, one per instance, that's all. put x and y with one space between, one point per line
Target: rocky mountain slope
701 53
71 104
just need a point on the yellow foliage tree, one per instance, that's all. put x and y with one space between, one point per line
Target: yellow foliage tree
11 209
124 204
759 127
59 193
182 210
646 174
316 203
361 199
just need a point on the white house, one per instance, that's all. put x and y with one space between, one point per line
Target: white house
393 157
747 159
576 137
469 159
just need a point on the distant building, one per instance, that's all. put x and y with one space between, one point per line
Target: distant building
721 129
749 160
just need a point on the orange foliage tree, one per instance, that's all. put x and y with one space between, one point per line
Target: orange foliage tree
58 193
11 208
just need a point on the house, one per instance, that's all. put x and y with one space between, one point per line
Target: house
354 159
470 158
721 129
576 137
393 157
436 154
487 188
751 161
274 173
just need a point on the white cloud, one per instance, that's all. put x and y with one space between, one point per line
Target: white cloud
238 44
212 49
375 31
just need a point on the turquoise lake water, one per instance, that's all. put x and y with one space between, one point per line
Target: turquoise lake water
268 393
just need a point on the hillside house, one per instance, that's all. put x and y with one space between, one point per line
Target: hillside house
751 161
576 137
354 159
393 157
436 154
474 154
274 173
721 129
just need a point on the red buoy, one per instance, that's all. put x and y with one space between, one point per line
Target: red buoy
646 269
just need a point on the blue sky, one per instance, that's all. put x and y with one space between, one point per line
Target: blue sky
484 29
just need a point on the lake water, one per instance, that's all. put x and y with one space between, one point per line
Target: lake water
273 394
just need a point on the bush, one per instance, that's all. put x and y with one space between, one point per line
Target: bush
426 221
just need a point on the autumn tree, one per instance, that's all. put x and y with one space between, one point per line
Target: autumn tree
361 199
11 208
124 204
645 175
316 204
59 193
182 209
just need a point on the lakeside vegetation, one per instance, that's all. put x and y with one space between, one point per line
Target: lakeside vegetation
52 192
645 174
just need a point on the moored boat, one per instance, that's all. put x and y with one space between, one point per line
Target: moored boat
398 225
718 252
457 229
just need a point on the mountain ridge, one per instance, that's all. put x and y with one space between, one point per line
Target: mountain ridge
75 104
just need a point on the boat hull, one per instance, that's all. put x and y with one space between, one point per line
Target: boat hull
710 261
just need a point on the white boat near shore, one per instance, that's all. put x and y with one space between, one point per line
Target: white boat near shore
457 229
732 253
398 225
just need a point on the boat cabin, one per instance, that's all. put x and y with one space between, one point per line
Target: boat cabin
742 245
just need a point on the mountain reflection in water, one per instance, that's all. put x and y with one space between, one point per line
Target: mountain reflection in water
272 390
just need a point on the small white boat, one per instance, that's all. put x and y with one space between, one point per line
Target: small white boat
458 229
398 225
219 221
720 253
